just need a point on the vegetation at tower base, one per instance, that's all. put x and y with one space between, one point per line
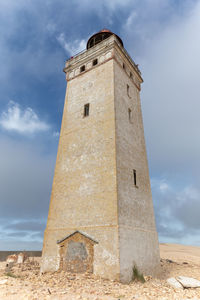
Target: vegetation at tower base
10 274
137 276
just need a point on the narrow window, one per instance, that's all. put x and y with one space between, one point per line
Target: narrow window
134 177
124 67
82 69
95 62
128 90
86 109
131 75
130 115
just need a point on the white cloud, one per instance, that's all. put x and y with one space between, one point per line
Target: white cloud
22 121
103 9
164 186
160 184
190 192
72 48
56 134
130 20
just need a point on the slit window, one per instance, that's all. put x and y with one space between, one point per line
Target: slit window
131 75
134 177
95 62
128 90
82 69
130 115
124 67
86 110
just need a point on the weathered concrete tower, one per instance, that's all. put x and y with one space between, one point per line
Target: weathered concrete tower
101 215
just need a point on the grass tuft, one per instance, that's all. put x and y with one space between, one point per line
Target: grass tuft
137 276
10 274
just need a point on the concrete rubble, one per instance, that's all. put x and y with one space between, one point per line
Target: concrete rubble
3 281
188 282
24 281
16 258
175 283
183 282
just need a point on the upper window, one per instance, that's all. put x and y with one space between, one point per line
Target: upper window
128 90
86 109
95 62
82 69
134 177
124 67
130 115
131 75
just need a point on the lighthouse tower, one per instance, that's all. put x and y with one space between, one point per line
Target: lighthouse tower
101 216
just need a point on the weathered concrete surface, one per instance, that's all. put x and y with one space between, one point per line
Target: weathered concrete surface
84 193
137 233
93 189
77 253
175 283
188 282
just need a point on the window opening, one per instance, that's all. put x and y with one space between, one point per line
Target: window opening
124 67
86 109
130 114
82 69
134 177
131 75
95 62
128 90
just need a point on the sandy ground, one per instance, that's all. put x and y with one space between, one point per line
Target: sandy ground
28 284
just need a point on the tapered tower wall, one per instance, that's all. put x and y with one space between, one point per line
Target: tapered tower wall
137 232
84 192
94 192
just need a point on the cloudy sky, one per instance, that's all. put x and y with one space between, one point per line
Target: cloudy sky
36 37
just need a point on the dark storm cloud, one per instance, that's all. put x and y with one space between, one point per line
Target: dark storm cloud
176 211
21 234
19 244
171 107
17 234
25 180
171 92
35 225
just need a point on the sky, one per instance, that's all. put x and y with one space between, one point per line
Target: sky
36 38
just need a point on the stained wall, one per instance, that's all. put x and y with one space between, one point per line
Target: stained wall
137 233
84 192
93 188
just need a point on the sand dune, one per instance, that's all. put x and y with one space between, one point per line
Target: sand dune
180 253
